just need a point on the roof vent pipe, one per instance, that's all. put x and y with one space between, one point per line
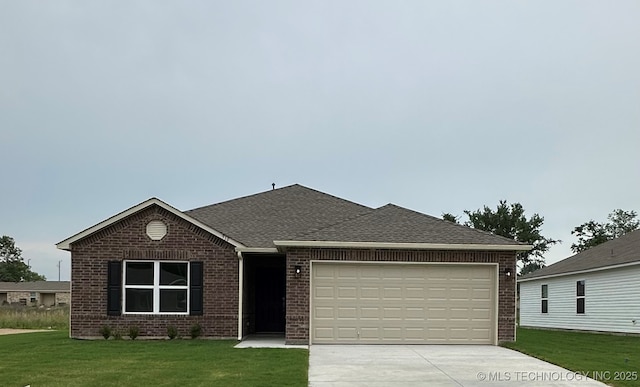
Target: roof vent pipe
273 186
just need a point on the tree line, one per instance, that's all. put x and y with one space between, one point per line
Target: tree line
12 266
510 221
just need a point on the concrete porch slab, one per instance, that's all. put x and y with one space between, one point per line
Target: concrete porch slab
267 341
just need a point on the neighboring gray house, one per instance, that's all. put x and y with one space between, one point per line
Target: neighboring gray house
47 293
595 290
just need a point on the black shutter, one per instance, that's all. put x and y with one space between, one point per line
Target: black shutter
114 288
196 289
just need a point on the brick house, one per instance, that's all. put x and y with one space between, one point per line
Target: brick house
47 293
295 261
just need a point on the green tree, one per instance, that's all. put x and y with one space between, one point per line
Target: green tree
592 233
450 217
510 221
12 266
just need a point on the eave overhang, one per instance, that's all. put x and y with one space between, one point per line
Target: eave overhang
283 245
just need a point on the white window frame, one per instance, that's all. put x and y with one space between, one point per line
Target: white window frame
156 287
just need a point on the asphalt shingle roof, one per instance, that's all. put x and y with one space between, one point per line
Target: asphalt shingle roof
394 224
625 249
280 214
302 214
36 286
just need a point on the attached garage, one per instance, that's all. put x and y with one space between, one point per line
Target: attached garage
403 303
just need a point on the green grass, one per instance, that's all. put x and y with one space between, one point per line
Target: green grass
31 317
52 359
585 352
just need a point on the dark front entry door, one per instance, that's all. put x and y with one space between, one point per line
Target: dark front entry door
270 301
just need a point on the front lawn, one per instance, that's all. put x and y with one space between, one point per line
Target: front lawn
52 359
615 358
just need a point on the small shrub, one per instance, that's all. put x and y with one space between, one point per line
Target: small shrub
172 332
195 330
105 331
117 335
133 332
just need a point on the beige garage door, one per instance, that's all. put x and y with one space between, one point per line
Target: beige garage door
403 303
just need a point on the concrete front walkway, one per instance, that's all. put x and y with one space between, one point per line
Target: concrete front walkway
434 365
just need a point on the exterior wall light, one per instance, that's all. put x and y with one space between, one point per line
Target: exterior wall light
298 269
507 272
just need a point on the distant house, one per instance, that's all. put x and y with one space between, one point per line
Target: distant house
596 290
47 293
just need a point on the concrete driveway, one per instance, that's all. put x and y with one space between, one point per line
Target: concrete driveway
435 365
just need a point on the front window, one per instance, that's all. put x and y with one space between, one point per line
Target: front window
545 299
580 292
156 287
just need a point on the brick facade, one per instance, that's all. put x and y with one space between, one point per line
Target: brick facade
298 292
127 239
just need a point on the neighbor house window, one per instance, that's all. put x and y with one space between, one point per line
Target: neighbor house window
545 299
580 297
156 287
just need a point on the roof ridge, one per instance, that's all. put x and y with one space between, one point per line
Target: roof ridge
243 197
266 192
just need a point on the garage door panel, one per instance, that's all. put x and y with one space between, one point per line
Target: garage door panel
392 313
348 313
370 272
392 293
393 273
346 273
392 333
324 292
323 312
481 293
324 333
323 272
400 303
347 333
414 294
371 313
347 292
415 313
370 293
370 333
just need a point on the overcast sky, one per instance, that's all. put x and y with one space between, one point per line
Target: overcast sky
438 106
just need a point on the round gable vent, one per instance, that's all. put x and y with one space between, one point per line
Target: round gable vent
156 230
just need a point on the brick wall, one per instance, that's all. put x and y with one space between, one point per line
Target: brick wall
127 239
297 319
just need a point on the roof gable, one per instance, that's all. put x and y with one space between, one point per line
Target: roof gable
393 224
66 244
257 220
616 252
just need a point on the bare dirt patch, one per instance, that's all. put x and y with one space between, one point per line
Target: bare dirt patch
8 331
